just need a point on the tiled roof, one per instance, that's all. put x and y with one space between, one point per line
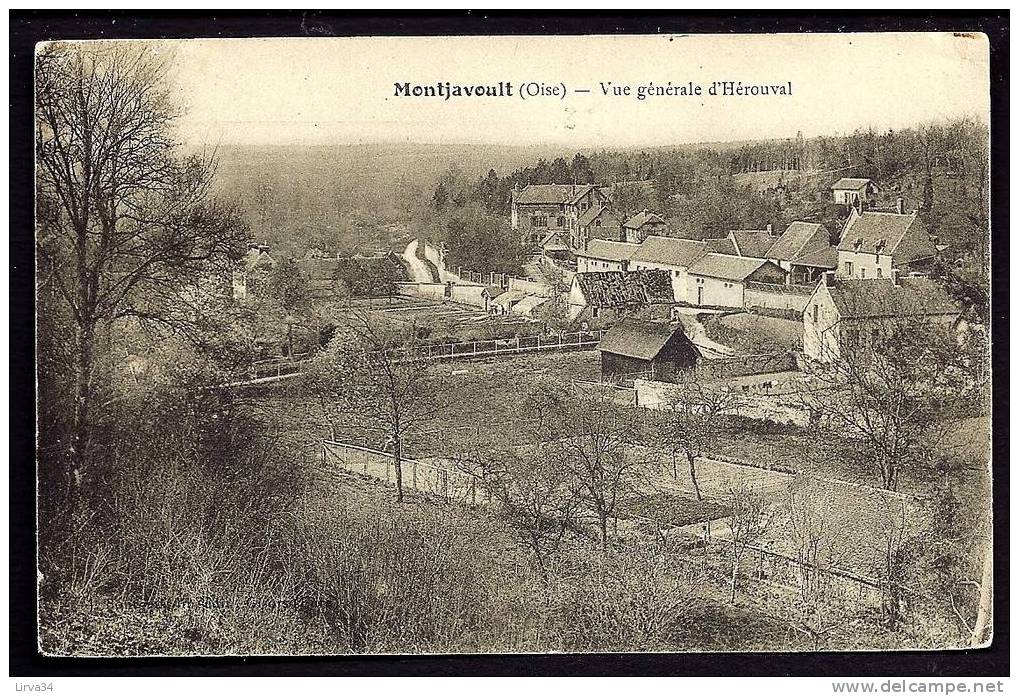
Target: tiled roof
720 245
799 239
826 257
588 217
880 297
755 243
638 339
608 250
670 251
883 232
849 184
622 289
581 192
643 218
726 267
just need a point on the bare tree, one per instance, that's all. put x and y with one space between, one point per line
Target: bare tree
539 497
820 609
368 377
893 394
693 420
747 523
593 439
555 313
127 221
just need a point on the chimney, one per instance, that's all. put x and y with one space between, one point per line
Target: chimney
769 228
900 206
829 279
895 276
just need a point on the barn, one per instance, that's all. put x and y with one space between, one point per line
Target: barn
654 350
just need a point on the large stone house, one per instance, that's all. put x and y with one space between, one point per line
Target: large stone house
873 243
541 209
845 314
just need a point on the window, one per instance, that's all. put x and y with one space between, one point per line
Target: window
849 268
879 273
863 272
595 311
597 223
560 221
815 314
539 221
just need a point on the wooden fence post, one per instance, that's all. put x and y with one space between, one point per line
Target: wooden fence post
414 473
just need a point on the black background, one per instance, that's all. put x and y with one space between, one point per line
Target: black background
26 28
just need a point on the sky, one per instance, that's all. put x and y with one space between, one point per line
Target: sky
341 90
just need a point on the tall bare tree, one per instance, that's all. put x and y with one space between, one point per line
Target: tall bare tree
893 393
747 524
820 609
370 378
125 222
693 420
592 439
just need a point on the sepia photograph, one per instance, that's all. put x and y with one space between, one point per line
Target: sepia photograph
483 345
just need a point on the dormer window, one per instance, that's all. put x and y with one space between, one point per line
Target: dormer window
858 243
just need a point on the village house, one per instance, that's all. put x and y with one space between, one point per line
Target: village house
854 192
597 222
654 350
373 275
254 269
873 243
844 314
805 251
642 225
603 255
612 295
719 280
675 256
752 244
541 209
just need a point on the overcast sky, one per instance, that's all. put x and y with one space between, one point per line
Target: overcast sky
341 90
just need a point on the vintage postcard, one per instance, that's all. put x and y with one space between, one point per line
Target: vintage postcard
516 344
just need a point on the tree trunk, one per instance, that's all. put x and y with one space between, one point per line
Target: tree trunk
735 574
82 419
693 475
398 465
603 521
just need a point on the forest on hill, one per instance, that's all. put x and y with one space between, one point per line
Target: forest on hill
938 169
361 198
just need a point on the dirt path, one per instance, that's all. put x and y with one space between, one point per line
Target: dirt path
419 271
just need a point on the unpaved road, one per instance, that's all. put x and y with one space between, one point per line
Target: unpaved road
419 271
